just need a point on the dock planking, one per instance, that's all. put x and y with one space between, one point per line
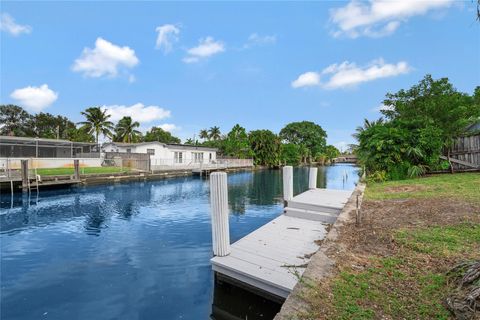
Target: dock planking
274 257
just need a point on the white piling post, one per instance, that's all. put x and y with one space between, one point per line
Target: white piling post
312 178
287 183
219 207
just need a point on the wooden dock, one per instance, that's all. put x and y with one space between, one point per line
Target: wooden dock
273 258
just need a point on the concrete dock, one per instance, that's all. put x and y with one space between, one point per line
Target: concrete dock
273 258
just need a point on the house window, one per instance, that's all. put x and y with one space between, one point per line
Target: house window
129 150
210 156
178 157
197 157
151 151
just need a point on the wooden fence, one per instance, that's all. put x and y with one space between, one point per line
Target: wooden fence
465 153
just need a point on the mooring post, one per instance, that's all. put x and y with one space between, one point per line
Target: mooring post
287 184
312 178
219 207
76 166
24 175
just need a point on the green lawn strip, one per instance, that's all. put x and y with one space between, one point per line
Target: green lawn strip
87 170
465 186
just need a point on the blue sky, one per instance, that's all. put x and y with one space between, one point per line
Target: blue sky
259 64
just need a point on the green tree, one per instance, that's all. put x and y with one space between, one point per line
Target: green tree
97 122
307 134
433 103
331 152
265 146
46 125
126 130
236 143
290 154
160 135
214 133
15 121
79 135
204 134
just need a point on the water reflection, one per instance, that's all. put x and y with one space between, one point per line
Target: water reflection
127 251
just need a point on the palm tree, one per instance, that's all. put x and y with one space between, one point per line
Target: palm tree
97 122
204 134
214 133
125 130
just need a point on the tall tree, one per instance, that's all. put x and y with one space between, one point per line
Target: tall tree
307 134
14 120
46 125
204 134
236 143
160 135
265 146
97 122
126 130
214 133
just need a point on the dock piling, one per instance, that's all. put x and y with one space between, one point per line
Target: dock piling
219 207
312 178
287 183
76 166
25 177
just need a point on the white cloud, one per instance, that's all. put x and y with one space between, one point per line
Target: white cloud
379 18
206 47
348 74
8 24
168 127
35 98
307 79
106 59
381 108
139 112
167 35
256 39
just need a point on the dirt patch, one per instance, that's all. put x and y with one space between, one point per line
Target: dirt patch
380 218
410 188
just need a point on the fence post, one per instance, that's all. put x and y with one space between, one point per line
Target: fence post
219 207
312 178
24 175
287 184
76 169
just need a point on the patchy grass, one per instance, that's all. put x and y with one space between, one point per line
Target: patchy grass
461 185
87 170
444 241
395 265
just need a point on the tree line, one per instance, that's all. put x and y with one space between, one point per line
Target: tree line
297 142
18 122
417 126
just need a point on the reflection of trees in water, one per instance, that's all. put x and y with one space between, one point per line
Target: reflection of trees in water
266 187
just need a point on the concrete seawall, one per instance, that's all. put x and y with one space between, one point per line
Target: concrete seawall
320 264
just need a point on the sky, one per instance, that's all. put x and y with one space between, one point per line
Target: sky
186 66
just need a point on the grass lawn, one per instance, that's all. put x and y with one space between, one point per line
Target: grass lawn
460 185
395 265
87 170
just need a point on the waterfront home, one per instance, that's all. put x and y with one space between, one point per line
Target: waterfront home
162 154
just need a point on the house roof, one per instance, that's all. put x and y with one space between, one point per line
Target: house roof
123 144
190 147
176 146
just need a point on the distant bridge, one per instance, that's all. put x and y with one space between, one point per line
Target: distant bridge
350 158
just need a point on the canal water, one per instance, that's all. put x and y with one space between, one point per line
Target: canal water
136 250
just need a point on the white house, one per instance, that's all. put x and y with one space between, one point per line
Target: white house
162 154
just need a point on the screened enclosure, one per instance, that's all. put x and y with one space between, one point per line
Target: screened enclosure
20 147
